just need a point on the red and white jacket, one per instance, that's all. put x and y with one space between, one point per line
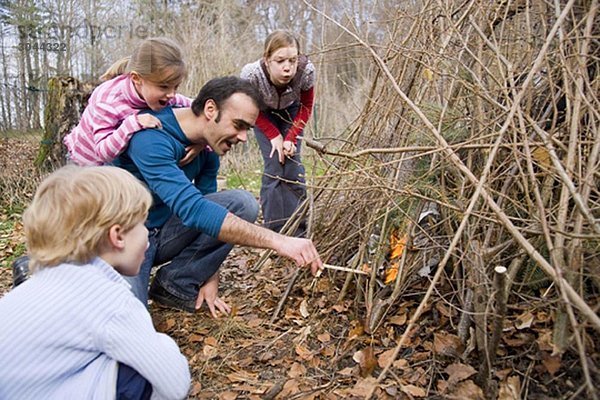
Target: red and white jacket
301 88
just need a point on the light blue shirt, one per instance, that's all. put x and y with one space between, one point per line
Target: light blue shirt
63 331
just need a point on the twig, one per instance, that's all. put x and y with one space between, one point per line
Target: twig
274 391
345 269
285 295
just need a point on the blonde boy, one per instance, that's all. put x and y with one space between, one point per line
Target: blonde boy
74 329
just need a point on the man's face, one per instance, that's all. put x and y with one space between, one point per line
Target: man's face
230 125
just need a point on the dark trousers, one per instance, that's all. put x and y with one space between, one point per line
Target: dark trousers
283 185
131 385
194 255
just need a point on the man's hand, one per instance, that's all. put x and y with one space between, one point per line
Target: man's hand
148 121
208 292
302 251
237 231
191 152
289 148
277 146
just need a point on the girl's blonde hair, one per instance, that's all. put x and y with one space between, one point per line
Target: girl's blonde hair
73 209
159 60
277 40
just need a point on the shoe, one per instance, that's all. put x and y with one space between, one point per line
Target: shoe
163 297
20 268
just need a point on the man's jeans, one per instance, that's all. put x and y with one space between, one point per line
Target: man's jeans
194 256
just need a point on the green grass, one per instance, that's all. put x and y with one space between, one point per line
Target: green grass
244 179
10 247
29 134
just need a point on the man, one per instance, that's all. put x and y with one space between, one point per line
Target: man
191 226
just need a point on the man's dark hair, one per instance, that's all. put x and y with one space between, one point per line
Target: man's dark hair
221 89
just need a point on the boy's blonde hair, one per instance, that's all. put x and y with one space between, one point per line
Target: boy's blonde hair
279 39
73 209
159 60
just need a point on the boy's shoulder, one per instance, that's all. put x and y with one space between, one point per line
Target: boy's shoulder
74 287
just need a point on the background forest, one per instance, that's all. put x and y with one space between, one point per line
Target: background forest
218 38
453 165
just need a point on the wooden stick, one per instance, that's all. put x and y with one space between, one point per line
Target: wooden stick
345 269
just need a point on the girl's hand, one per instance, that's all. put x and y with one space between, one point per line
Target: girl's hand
148 121
277 145
289 148
190 153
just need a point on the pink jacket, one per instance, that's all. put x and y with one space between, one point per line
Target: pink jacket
109 121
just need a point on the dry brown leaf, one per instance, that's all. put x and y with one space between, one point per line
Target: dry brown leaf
304 309
444 309
518 340
328 351
196 388
363 387
502 374
421 355
341 308
324 337
211 341
447 344
466 390
290 387
524 320
358 356
542 156
170 323
367 361
417 376
209 352
194 338
384 358
459 372
303 334
303 352
551 363
510 389
229 395
266 356
398 319
255 322
544 340
356 331
442 386
366 268
297 370
346 371
242 376
413 390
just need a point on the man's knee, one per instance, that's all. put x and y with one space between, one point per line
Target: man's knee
244 205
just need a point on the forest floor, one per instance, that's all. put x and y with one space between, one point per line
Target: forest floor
317 347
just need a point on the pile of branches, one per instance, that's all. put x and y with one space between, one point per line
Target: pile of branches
475 161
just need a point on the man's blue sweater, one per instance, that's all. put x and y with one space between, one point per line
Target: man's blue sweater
153 157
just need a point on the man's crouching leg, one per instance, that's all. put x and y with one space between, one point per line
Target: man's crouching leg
194 256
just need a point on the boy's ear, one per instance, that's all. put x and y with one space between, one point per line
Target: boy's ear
115 237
